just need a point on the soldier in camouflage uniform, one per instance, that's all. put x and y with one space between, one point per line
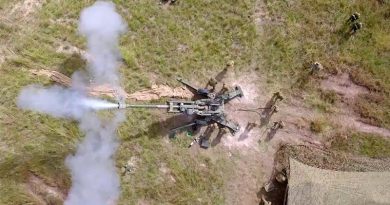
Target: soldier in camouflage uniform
277 125
355 27
224 88
315 67
230 64
168 1
274 109
355 16
212 82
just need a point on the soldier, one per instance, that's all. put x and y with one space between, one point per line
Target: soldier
224 88
277 125
280 177
355 16
128 168
168 1
230 64
274 109
355 27
315 67
212 82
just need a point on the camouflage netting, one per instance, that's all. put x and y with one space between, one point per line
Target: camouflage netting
310 185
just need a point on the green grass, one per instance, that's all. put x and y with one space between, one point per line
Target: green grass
314 30
363 144
193 39
212 33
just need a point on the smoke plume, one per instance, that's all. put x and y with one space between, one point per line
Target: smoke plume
94 177
102 26
60 102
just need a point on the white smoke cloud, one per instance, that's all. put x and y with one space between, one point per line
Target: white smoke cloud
102 25
60 102
94 177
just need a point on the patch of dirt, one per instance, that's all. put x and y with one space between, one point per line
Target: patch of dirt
345 116
248 176
349 120
165 171
252 149
262 17
25 8
255 145
66 48
65 21
42 192
343 85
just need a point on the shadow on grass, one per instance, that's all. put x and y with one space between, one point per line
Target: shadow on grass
72 64
164 127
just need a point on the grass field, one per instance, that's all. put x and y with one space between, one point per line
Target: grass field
193 39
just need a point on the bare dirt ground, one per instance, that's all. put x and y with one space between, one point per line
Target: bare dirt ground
25 8
255 144
42 192
345 115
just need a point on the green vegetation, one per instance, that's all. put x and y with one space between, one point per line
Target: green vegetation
315 30
193 39
363 144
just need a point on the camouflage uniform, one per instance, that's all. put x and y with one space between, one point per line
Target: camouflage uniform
230 64
274 109
355 16
212 82
355 27
316 67
280 177
224 88
277 125
168 1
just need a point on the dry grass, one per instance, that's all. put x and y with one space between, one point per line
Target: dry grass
193 39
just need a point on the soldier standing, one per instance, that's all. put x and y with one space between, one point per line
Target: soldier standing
230 64
274 109
355 27
315 67
277 125
212 82
168 1
355 16
224 88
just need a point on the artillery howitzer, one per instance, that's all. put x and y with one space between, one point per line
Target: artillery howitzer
209 109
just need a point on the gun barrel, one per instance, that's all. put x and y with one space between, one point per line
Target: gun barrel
124 106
